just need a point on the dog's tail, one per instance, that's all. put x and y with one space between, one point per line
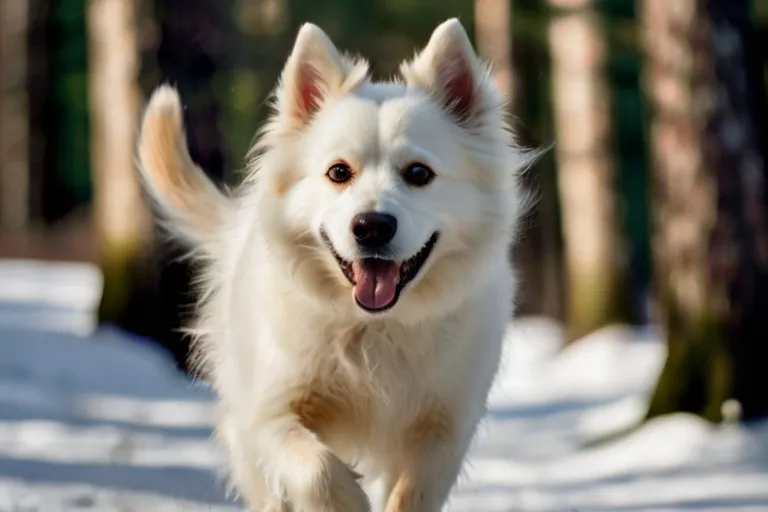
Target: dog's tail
192 206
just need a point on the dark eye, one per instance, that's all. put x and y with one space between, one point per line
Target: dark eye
418 175
339 173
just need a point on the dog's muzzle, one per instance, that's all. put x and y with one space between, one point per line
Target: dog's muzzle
378 282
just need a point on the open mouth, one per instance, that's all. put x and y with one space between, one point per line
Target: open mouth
378 282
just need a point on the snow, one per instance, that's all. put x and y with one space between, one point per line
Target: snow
99 421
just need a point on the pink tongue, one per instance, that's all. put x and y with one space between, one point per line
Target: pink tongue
376 282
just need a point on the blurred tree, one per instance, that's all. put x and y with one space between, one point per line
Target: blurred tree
710 197
493 34
14 121
593 252
146 284
524 68
60 179
68 183
121 216
42 115
631 162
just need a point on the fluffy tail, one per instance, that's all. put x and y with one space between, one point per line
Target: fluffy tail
190 203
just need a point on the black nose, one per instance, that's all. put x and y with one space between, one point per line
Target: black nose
373 230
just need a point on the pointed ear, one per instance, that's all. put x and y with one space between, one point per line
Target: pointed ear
314 71
449 69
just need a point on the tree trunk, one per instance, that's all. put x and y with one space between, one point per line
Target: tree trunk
120 213
43 114
593 255
493 37
711 237
494 42
14 118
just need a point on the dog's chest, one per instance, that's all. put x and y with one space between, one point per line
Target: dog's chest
373 384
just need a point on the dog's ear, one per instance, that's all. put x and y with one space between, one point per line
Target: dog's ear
314 71
449 69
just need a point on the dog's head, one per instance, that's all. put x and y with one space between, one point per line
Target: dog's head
394 197
375 199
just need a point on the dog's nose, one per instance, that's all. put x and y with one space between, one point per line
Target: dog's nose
373 230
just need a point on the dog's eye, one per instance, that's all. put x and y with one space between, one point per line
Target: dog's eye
339 173
418 175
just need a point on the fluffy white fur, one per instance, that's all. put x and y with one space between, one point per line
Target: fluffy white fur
320 399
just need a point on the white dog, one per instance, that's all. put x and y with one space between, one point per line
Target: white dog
357 286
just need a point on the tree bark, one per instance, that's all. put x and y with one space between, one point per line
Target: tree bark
593 255
121 216
711 229
493 38
493 34
14 117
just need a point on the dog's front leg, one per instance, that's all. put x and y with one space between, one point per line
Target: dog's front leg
428 465
310 477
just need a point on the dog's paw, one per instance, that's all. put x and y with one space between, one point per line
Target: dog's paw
334 488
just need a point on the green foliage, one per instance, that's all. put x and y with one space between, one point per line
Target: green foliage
70 81
624 68
760 12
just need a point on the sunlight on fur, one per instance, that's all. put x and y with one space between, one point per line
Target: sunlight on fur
356 287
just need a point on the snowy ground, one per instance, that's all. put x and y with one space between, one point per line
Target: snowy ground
103 423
